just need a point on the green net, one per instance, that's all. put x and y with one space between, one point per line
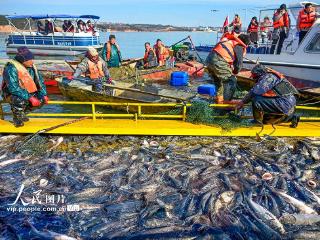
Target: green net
200 112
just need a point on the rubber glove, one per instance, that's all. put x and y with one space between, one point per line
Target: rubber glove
34 102
45 99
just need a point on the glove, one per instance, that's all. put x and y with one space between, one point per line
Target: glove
34 102
45 99
70 78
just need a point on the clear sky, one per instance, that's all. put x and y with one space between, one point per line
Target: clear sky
173 12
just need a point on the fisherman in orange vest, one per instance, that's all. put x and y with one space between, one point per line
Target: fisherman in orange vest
150 58
264 28
23 87
162 52
224 62
236 22
95 68
253 30
273 98
281 26
111 53
306 19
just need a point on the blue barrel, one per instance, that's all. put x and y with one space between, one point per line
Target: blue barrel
179 79
207 89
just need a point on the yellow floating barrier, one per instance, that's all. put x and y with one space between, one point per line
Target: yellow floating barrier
140 123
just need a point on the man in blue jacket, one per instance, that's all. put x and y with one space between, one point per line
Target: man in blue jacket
273 98
23 87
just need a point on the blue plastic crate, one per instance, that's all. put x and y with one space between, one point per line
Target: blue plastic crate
179 79
207 89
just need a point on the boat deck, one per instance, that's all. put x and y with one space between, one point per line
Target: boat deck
155 127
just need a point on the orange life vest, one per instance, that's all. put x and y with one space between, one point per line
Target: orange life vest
271 92
25 80
109 49
225 48
306 20
283 21
253 27
162 53
264 26
236 22
95 70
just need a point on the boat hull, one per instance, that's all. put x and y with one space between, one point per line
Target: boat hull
84 93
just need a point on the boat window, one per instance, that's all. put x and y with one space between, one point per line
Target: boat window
314 45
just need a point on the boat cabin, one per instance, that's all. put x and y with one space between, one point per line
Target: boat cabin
55 35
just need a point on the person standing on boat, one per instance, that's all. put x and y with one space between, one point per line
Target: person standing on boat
23 86
273 98
226 60
150 58
236 22
48 27
95 68
281 26
111 52
264 29
306 19
253 30
161 51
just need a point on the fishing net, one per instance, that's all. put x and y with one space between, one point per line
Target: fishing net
33 145
200 112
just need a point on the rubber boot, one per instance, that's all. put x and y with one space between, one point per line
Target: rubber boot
295 121
17 122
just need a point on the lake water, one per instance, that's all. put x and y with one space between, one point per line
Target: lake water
132 43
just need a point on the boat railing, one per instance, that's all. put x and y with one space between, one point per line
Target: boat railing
137 109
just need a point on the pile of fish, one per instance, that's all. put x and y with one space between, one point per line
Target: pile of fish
163 188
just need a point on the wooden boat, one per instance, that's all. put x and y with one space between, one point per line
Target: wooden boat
80 91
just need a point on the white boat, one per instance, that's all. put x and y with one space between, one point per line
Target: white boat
299 63
58 43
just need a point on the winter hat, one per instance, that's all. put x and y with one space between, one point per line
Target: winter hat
23 55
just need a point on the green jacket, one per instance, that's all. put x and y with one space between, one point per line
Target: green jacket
11 84
115 55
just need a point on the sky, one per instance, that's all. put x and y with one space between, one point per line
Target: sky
172 12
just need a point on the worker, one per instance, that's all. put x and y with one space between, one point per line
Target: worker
48 27
23 86
273 98
161 51
264 28
150 58
111 52
281 26
253 30
224 61
306 19
90 27
95 68
236 22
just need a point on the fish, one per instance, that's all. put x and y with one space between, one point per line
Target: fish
266 216
301 206
223 201
300 219
48 235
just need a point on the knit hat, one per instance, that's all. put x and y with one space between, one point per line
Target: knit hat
23 55
112 36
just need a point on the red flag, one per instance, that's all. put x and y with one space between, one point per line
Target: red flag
226 22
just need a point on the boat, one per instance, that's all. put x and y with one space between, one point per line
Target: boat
124 92
58 43
299 63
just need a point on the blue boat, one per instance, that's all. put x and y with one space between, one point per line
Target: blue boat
205 48
56 42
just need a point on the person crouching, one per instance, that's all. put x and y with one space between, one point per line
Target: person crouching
273 98
95 68
23 87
